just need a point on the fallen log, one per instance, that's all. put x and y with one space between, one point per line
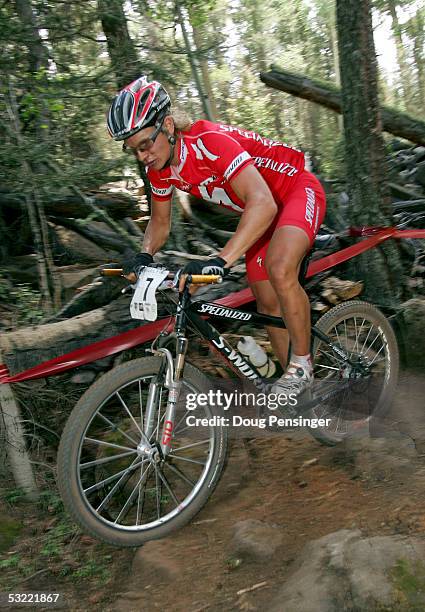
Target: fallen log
328 95
118 206
337 290
101 236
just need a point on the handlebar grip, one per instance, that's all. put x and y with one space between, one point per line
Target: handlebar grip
199 279
111 272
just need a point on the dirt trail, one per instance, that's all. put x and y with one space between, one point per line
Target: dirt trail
197 569
290 482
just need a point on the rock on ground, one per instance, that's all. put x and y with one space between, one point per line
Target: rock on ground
345 571
255 539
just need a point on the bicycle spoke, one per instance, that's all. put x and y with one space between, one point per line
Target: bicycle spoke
140 498
337 336
129 502
373 360
346 335
129 414
332 357
103 443
188 427
370 345
116 486
115 428
180 420
321 365
379 360
158 495
356 346
367 338
100 484
166 485
180 448
186 459
83 466
179 473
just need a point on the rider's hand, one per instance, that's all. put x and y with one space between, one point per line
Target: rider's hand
209 266
132 266
215 265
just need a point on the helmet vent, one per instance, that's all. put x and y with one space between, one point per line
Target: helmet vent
142 102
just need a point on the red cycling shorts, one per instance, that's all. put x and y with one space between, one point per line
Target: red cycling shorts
304 207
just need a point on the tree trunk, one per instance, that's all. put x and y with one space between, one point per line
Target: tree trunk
335 59
116 205
193 64
122 53
416 30
364 147
404 72
16 450
326 94
203 64
39 65
38 61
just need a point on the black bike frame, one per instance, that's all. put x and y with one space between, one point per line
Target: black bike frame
188 314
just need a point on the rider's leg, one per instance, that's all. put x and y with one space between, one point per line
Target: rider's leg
287 249
268 303
277 256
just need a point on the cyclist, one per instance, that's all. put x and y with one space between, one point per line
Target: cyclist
281 205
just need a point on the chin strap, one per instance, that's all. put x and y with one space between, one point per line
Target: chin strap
172 141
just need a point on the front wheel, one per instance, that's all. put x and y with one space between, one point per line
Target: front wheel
358 394
112 490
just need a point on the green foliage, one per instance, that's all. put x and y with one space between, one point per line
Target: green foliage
408 578
12 561
9 530
50 501
257 114
26 299
93 568
14 496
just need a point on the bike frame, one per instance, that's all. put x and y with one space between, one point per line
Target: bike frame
190 312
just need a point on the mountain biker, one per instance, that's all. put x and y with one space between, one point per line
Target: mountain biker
281 204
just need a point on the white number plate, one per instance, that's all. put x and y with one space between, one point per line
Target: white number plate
143 305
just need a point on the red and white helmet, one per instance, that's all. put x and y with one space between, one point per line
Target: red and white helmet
138 105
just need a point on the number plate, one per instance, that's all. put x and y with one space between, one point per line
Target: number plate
143 305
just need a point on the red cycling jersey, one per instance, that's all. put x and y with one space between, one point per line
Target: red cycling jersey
210 155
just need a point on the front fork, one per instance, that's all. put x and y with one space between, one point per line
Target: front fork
173 382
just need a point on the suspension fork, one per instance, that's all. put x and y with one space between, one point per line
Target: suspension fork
173 374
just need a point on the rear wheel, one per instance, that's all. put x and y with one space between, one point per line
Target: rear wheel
112 490
359 394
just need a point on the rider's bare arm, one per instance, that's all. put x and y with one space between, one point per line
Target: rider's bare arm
158 228
260 210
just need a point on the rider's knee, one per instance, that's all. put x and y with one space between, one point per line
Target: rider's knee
281 274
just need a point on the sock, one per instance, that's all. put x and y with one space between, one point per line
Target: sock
304 361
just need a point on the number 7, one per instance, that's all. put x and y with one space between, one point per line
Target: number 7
148 283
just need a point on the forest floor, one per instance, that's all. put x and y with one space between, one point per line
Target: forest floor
290 482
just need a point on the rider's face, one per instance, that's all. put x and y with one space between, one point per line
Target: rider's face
151 147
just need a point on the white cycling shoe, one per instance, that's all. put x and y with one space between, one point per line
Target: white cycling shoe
296 380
